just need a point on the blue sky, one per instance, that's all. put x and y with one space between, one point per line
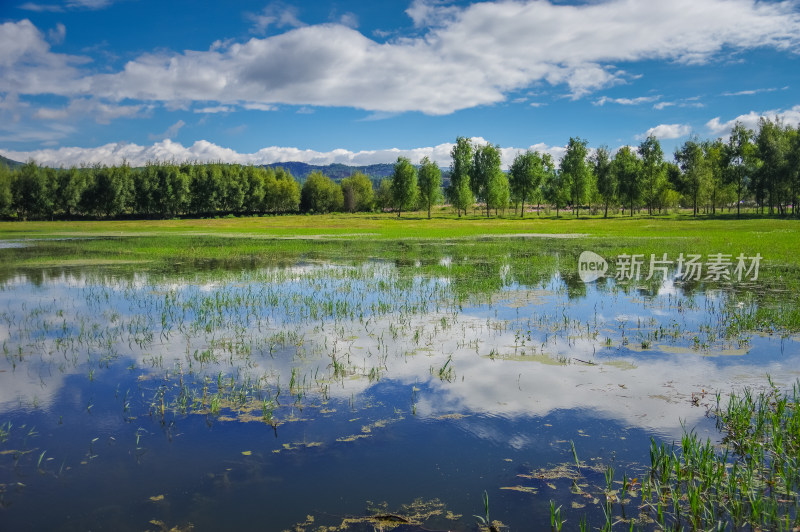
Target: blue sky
84 81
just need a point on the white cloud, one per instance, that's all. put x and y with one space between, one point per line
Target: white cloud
70 4
349 19
214 109
259 107
276 14
57 34
667 131
27 66
39 8
751 120
686 102
465 56
49 134
100 112
171 132
626 101
202 150
751 92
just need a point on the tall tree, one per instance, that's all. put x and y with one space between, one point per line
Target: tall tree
717 164
793 168
556 191
605 178
694 167
320 194
430 183
69 187
5 190
526 176
358 193
29 191
738 153
459 192
253 180
773 146
653 171
486 164
281 192
575 172
626 167
404 185
498 192
383 196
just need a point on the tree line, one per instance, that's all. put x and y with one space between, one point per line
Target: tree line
760 168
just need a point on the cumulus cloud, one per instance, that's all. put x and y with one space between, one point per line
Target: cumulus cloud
464 56
751 120
667 131
204 151
27 66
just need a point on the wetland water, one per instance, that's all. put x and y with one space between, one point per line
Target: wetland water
316 390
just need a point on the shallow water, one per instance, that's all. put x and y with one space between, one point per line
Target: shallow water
252 398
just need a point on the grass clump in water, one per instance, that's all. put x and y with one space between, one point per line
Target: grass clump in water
752 481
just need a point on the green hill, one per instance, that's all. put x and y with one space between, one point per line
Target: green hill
10 163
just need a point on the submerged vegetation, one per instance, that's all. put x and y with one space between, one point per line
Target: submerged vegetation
278 378
749 478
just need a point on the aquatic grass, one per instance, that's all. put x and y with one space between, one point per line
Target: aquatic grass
752 480
218 336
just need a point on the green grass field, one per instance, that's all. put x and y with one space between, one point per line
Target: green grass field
776 239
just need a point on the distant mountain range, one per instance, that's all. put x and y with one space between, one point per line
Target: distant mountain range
300 171
335 171
8 162
338 171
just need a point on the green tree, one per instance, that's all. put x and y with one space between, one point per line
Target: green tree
556 193
773 146
320 194
626 167
430 183
527 173
29 191
204 189
459 192
358 193
281 192
145 182
232 188
717 164
109 193
653 177
694 170
173 187
793 168
404 185
605 177
486 164
5 190
383 196
70 184
253 179
575 172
